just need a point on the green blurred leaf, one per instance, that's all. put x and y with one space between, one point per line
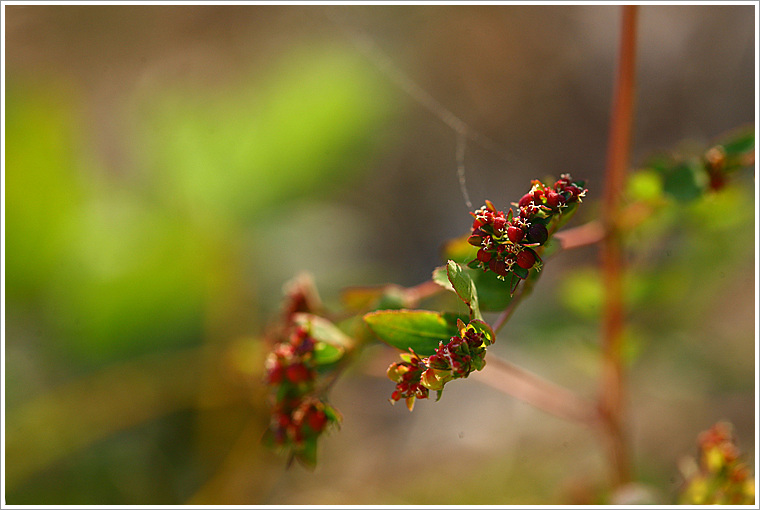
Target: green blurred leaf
645 185
325 354
325 331
43 188
686 181
420 330
738 142
298 128
464 287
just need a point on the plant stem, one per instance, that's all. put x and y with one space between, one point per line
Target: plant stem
583 235
532 389
504 316
422 291
612 392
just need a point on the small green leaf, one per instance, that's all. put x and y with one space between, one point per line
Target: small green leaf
421 330
323 330
521 272
307 454
483 327
464 287
441 277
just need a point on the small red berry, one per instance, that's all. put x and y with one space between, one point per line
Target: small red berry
317 420
553 199
515 234
297 373
525 200
499 223
484 256
526 259
274 376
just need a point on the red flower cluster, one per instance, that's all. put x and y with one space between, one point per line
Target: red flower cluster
298 415
415 376
506 240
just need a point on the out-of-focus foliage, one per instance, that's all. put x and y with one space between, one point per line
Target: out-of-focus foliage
103 268
718 476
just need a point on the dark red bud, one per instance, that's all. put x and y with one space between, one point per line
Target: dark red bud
484 256
537 233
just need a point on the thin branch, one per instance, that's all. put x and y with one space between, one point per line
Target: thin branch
422 291
583 235
612 396
532 389
502 319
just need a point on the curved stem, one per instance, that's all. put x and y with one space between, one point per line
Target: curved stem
612 392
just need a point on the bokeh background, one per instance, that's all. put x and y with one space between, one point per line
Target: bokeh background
168 168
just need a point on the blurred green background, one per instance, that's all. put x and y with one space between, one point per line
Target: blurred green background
168 168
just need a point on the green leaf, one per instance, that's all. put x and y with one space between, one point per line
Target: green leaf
420 330
464 287
307 454
739 142
645 185
325 354
686 181
483 327
441 277
325 332
493 294
521 272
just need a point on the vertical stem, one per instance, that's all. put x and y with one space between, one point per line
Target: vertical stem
612 397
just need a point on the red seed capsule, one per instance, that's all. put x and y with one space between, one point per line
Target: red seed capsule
525 200
499 223
553 199
484 256
498 267
515 234
526 259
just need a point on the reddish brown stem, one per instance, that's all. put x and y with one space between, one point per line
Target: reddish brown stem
612 392
532 389
422 291
583 235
